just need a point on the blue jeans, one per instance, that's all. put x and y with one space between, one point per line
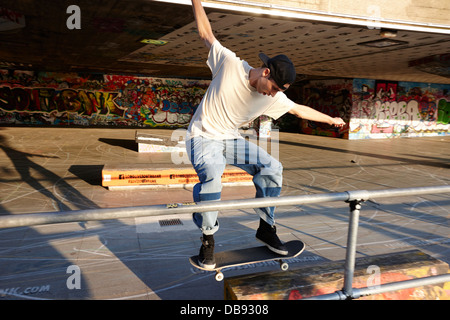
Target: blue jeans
209 158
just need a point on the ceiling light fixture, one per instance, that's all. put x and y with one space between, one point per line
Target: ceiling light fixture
152 41
386 33
382 43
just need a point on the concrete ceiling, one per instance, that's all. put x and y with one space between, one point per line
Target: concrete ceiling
109 41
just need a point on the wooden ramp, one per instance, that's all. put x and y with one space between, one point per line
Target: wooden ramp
151 175
160 176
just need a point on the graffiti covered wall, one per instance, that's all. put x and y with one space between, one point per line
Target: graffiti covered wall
332 97
97 100
383 109
372 108
379 109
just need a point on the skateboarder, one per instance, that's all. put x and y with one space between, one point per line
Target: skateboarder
238 94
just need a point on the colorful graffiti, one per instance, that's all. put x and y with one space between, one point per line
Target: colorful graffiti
332 97
91 100
379 109
384 109
372 109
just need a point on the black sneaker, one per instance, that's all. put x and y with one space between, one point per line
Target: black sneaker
267 234
206 255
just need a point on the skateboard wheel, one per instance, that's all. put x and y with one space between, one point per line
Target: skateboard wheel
219 276
284 266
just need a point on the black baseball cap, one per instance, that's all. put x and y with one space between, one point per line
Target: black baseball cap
281 68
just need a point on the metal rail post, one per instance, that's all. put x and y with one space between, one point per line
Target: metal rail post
350 255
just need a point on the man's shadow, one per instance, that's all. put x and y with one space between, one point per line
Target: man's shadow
24 165
32 259
30 269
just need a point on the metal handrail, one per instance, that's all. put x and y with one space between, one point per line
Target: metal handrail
30 219
382 288
355 198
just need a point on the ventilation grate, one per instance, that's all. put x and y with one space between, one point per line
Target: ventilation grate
170 222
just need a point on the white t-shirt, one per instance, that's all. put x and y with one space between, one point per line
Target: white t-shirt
230 100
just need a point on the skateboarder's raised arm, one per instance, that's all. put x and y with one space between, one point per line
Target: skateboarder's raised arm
204 27
309 113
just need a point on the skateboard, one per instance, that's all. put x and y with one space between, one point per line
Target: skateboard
240 257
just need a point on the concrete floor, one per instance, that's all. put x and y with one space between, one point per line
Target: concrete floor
59 169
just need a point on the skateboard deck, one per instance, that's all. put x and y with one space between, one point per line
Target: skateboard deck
233 258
